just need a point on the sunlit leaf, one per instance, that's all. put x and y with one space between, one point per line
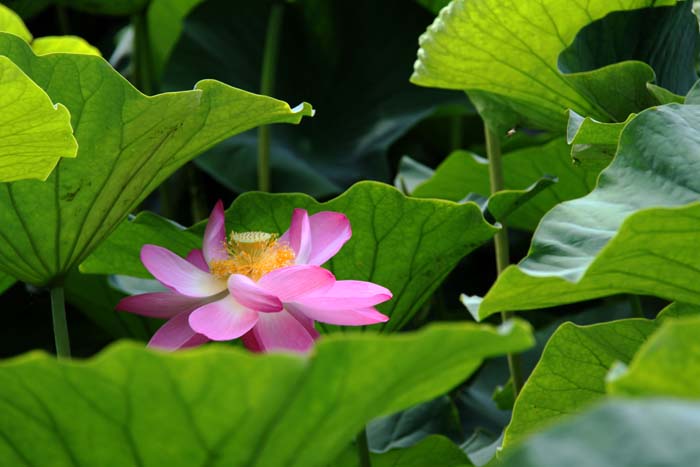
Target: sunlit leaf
12 23
34 133
128 144
63 44
507 55
226 406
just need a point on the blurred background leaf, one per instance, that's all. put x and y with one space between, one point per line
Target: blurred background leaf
356 78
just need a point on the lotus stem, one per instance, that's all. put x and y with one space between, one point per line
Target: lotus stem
636 306
500 241
63 23
141 54
363 449
60 326
267 85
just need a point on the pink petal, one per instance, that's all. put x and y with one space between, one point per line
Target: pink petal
175 334
251 295
215 235
279 332
195 341
179 274
295 281
299 236
340 314
305 321
251 342
345 303
196 257
223 320
357 294
329 232
159 304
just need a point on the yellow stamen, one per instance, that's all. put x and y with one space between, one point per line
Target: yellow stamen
253 254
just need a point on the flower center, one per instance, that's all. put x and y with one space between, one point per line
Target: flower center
253 254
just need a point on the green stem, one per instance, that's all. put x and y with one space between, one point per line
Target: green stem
493 150
636 306
198 207
63 23
167 196
363 449
141 55
267 85
60 327
456 129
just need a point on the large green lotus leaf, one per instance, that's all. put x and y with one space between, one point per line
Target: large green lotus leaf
35 134
634 233
678 310
619 433
506 54
571 373
223 406
464 172
652 254
356 80
433 450
408 245
668 364
63 44
128 144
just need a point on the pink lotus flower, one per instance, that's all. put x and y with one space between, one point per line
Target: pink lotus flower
265 290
